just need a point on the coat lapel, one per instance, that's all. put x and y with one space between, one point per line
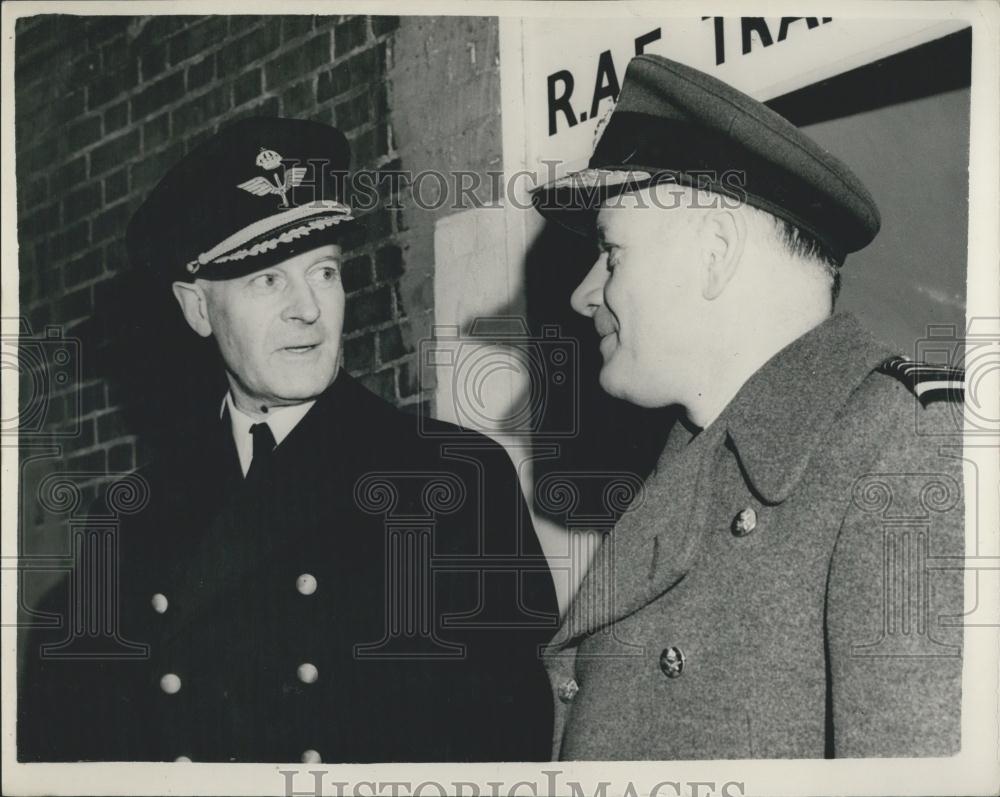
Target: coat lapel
654 544
772 425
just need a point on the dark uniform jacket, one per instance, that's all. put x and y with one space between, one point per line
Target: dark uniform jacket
788 585
377 595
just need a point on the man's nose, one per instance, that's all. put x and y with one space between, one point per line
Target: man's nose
302 304
589 294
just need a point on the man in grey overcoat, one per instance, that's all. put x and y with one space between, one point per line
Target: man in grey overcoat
781 587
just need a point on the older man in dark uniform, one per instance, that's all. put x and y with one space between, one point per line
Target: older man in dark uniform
782 587
313 579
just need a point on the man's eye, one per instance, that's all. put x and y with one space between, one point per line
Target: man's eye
326 274
264 281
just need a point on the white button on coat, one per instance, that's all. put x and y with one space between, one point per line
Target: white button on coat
160 603
306 584
311 757
308 673
182 759
170 683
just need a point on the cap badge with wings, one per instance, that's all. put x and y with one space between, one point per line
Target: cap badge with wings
260 186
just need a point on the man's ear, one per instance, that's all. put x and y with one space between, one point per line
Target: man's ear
723 236
191 297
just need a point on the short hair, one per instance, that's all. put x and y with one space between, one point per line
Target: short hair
802 245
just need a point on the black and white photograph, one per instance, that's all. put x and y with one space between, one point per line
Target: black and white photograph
548 398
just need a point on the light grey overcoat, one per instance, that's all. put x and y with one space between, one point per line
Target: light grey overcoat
789 584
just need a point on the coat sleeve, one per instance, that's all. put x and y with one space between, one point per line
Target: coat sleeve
895 599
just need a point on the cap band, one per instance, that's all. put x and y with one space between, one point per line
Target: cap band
266 225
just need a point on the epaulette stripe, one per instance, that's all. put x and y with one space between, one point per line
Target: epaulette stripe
926 381
911 367
920 388
921 368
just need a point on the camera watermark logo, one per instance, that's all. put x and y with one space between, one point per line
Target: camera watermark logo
909 506
47 367
92 608
501 380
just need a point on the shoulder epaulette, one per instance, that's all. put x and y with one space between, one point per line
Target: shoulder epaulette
927 382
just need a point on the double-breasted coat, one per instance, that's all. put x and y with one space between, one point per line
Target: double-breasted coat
789 582
378 594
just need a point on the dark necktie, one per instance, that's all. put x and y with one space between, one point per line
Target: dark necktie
263 448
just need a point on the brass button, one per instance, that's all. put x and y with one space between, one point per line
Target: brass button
568 690
160 603
745 522
672 661
308 673
311 757
170 683
306 584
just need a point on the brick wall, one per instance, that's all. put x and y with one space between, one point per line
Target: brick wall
105 104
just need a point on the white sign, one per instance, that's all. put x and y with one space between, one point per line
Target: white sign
573 68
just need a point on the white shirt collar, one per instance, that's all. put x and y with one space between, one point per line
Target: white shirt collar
281 420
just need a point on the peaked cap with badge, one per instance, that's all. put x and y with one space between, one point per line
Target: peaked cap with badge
673 123
258 191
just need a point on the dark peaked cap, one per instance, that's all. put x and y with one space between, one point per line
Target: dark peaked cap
258 191
672 122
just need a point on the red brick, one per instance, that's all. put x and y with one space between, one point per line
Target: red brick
32 191
388 263
200 72
350 34
157 95
247 87
68 175
116 185
147 172
298 99
70 242
114 152
408 380
368 309
196 39
77 304
84 268
356 273
297 25
152 62
249 48
110 223
392 345
381 25
121 458
110 86
353 113
359 353
197 112
40 222
90 462
156 132
115 117
333 82
299 60
111 425
81 202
